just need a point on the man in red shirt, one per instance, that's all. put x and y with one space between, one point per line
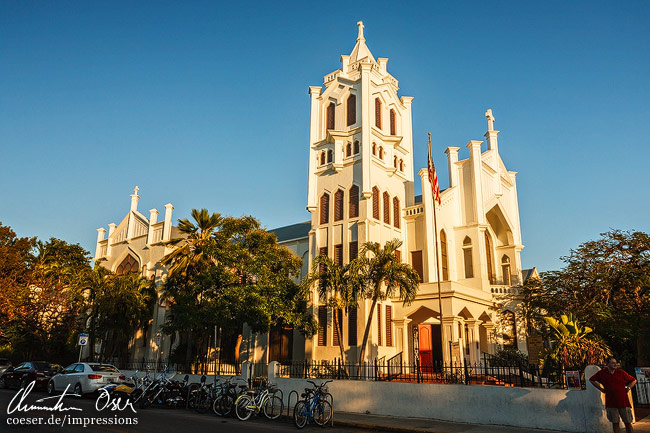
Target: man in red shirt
615 383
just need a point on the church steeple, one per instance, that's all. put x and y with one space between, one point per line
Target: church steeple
361 50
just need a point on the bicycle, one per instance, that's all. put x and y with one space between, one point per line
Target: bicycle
263 400
226 394
314 406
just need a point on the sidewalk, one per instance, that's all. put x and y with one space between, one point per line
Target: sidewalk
399 424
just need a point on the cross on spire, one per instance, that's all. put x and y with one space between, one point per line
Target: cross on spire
490 119
360 37
135 190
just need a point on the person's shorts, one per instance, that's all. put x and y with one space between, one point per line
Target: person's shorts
616 414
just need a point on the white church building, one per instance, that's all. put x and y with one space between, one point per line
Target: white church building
361 188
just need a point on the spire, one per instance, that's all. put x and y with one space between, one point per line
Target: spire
490 119
134 199
361 50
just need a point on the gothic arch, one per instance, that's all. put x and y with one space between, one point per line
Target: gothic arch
123 256
500 225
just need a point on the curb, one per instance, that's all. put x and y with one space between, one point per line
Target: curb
377 427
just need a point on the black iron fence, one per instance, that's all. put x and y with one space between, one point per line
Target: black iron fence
396 369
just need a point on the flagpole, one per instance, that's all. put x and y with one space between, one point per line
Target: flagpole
435 228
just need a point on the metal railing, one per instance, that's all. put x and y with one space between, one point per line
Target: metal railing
396 370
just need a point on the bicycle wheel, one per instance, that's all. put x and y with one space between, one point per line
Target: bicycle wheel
273 407
300 414
322 412
242 407
222 406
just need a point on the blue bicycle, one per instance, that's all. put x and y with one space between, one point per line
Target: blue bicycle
313 406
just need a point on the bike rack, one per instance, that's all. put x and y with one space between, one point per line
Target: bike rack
289 400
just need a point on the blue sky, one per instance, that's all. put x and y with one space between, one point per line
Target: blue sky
205 104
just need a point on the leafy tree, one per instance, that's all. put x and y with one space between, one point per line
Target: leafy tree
382 275
573 347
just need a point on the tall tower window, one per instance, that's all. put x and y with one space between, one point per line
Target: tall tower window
444 257
354 202
353 250
374 148
505 268
378 113
356 147
396 216
467 257
348 150
401 165
338 205
375 202
322 325
392 122
352 110
386 208
330 115
322 158
325 208
381 152
329 156
488 257
395 161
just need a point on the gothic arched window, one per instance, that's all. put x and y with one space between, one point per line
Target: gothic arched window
325 208
356 147
338 205
352 110
322 158
378 113
330 115
381 152
375 202
467 257
395 161
444 257
129 264
386 208
488 257
401 165
329 156
392 122
505 269
348 150
354 202
396 215
374 148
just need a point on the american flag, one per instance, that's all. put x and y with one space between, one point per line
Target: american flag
433 177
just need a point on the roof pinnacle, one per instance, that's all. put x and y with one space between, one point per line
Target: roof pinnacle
360 37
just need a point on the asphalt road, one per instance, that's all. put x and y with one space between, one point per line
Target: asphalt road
151 420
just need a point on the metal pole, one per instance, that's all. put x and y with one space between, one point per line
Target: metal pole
435 228
80 349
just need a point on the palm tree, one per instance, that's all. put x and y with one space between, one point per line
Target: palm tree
383 274
192 255
337 285
573 346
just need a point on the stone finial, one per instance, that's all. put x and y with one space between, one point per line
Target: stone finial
134 199
360 37
490 119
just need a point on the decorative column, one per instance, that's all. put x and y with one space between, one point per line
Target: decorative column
474 147
111 230
452 159
403 325
429 254
167 228
153 219
366 142
473 342
100 237
314 129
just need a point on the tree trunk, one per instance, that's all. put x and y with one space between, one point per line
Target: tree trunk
367 330
237 346
642 349
337 329
188 352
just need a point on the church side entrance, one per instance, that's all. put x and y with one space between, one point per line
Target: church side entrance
428 349
281 339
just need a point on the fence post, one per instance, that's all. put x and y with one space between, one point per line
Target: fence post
539 375
338 370
417 369
466 372
521 376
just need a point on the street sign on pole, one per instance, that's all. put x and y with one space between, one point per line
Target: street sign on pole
83 339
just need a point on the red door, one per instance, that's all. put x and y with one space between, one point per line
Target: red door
425 347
